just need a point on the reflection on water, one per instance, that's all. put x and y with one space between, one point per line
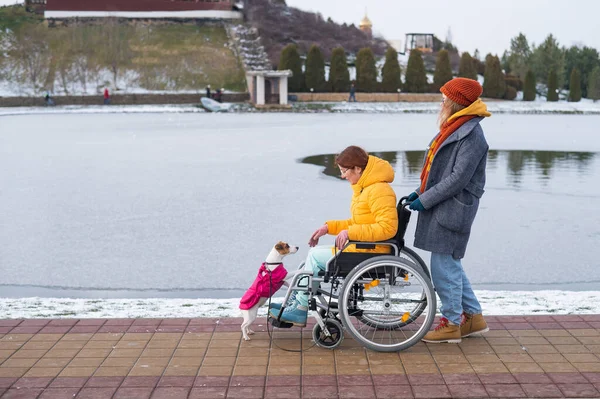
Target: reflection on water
519 169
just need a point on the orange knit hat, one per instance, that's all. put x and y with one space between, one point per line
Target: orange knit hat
462 91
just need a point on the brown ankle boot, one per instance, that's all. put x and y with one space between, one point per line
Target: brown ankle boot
444 332
473 324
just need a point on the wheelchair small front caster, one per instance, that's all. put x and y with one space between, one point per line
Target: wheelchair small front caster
336 334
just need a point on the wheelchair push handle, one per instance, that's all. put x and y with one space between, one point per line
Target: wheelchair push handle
405 202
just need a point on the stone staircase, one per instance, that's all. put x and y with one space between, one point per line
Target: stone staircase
248 47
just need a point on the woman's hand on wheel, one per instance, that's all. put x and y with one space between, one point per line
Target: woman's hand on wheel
314 239
341 239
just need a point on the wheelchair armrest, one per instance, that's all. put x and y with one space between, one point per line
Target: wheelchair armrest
371 245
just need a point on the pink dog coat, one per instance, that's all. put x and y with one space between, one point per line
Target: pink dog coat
263 286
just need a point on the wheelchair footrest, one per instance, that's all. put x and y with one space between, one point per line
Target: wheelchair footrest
280 323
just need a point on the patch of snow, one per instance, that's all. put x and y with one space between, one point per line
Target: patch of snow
101 109
492 302
498 107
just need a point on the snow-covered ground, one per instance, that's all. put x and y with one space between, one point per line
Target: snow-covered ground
585 106
493 303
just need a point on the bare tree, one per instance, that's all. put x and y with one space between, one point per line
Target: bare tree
30 55
115 51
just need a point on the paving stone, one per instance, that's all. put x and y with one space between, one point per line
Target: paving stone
319 392
58 393
279 392
505 391
96 393
431 391
542 390
579 390
133 393
245 392
170 393
104 382
24 393
467 391
208 393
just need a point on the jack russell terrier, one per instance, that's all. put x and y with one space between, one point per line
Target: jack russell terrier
271 276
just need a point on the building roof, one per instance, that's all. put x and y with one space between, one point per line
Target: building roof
137 5
271 74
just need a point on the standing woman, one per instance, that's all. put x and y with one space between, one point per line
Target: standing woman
452 182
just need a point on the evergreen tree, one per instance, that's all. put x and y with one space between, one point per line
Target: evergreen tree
443 70
575 86
585 59
339 76
552 94
366 71
415 80
504 62
494 85
466 68
549 55
315 69
519 55
479 65
391 82
290 59
529 86
593 89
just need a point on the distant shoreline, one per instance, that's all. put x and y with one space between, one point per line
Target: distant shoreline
505 107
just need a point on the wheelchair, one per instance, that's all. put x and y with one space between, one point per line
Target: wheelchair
386 302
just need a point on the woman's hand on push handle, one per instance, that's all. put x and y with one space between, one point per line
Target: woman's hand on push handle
314 239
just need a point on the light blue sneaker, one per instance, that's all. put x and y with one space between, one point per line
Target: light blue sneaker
292 302
291 315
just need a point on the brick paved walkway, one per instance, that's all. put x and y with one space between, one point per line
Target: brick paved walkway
537 356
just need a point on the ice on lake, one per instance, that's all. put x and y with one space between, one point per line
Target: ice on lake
190 204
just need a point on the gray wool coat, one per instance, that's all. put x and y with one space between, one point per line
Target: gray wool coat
454 187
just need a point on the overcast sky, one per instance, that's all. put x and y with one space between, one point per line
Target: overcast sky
485 25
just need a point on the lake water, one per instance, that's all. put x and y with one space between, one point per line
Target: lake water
189 205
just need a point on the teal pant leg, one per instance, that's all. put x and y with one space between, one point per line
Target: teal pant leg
315 260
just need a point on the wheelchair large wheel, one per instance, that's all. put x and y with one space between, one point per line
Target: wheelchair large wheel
409 254
385 290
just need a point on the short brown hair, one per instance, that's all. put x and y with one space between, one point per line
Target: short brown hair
351 157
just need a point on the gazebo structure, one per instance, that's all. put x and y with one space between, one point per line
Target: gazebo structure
268 88
419 41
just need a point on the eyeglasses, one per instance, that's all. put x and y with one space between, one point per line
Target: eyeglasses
343 171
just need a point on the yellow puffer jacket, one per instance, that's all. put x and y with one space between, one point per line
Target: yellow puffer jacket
373 208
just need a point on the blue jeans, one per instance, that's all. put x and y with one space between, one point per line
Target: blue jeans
453 287
315 260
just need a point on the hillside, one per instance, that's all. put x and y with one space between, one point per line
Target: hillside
280 25
127 57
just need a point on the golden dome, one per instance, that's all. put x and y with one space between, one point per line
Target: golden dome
366 22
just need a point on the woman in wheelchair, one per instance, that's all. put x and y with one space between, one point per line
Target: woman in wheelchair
373 218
